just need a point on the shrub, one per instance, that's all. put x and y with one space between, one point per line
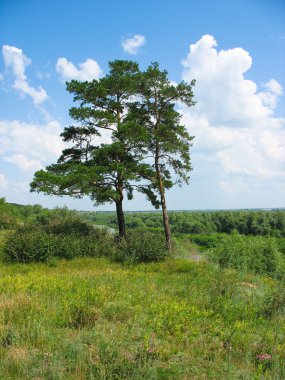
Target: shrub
71 224
31 243
62 221
248 254
140 246
25 246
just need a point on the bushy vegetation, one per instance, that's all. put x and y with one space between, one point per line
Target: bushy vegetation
12 215
36 244
140 246
254 254
61 233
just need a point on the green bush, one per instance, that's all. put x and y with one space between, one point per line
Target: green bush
30 243
140 246
254 254
25 245
69 225
62 221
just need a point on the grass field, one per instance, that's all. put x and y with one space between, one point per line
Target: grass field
92 319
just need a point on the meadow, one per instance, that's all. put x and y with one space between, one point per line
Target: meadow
93 319
97 317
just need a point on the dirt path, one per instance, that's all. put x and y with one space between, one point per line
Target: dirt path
193 254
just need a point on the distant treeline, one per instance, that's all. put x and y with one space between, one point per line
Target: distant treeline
247 222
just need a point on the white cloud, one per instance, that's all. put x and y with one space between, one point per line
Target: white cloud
234 124
17 62
3 182
274 90
87 70
132 45
274 87
23 163
35 144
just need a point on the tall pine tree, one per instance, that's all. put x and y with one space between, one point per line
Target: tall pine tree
168 140
104 172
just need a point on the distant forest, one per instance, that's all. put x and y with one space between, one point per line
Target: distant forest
247 222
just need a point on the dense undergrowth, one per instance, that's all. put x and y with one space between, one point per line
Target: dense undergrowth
43 235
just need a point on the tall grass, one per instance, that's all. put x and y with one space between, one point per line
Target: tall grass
93 319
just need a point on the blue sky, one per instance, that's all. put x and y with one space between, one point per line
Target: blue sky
234 49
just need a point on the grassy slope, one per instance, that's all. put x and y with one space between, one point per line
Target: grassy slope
91 319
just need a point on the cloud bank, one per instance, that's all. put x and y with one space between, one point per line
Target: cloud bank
238 137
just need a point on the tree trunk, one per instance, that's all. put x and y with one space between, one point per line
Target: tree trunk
121 218
163 206
165 218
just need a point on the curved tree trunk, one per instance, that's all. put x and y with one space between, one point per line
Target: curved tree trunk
166 224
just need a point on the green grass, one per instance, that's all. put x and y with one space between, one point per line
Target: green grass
93 319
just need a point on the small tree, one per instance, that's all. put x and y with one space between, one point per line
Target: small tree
168 139
107 171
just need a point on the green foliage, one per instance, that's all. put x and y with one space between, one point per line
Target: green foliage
206 241
168 140
57 234
248 254
10 215
274 301
140 246
25 245
68 223
62 233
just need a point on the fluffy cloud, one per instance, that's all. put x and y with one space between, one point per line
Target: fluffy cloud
23 163
15 59
234 124
87 70
274 90
30 146
131 45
